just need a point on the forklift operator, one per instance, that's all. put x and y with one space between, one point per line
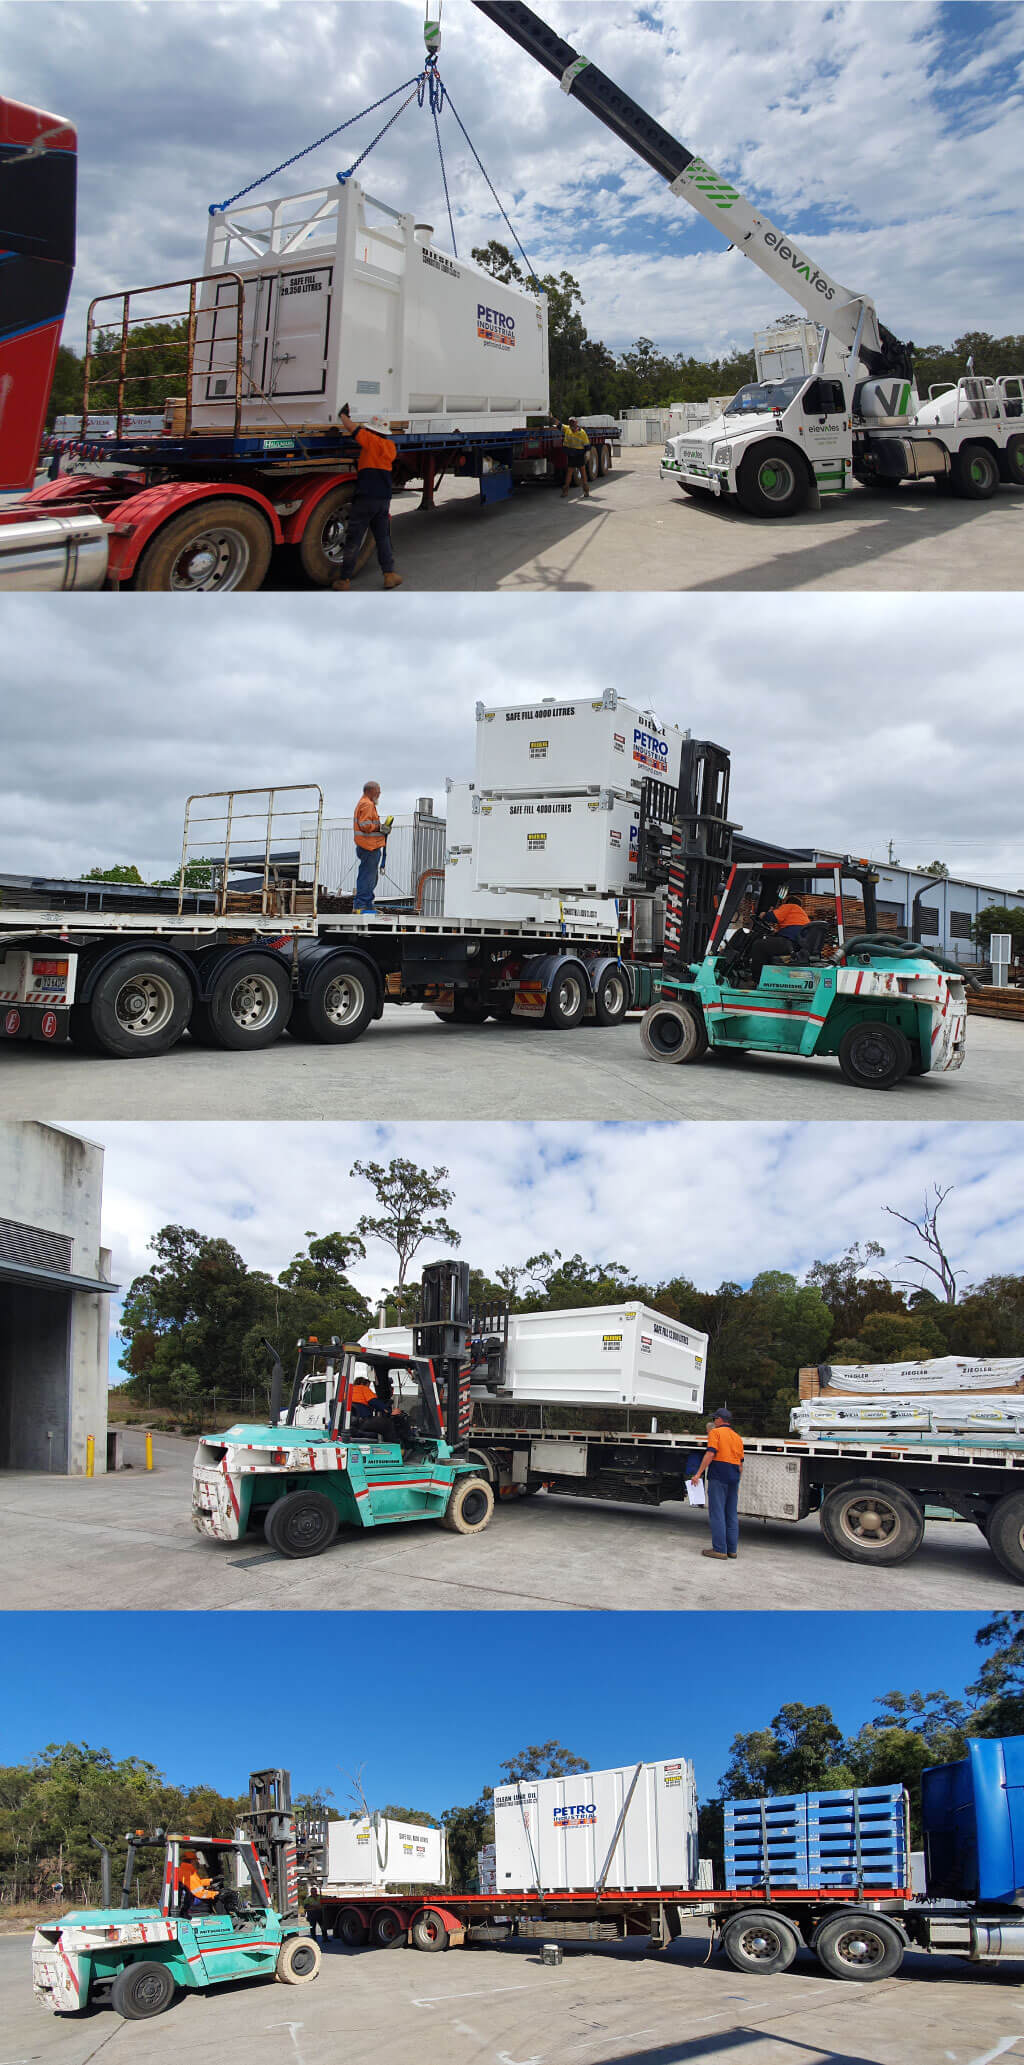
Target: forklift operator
194 1891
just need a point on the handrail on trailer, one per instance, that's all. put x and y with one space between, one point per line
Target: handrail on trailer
94 334
230 818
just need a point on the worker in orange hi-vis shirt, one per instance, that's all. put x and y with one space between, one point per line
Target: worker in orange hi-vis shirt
721 1468
201 1892
371 837
370 507
790 919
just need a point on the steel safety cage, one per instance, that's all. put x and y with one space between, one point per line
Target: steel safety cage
244 830
114 339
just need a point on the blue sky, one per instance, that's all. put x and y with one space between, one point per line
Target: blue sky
429 1704
887 139
663 1200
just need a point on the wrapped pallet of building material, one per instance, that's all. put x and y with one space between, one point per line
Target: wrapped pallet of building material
970 1413
943 1374
380 1853
632 1827
572 743
346 302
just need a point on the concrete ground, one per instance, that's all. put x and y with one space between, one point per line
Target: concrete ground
410 1065
637 533
126 1542
607 2005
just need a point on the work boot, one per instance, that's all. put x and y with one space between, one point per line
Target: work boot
717 1554
341 584
392 580
733 1553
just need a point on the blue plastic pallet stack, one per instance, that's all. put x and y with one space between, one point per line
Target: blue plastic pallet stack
852 1838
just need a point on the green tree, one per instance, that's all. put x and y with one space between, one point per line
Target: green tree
937 868
123 873
849 1294
155 367
412 1204
541 1760
892 1337
66 392
997 917
801 1750
999 1686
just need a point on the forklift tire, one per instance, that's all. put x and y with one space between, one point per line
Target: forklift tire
470 1506
211 548
858 1946
772 480
303 1523
350 1928
298 1961
386 1929
322 544
870 1521
428 1932
142 1990
974 473
1011 462
612 997
567 998
673 1032
875 1056
140 1005
250 1005
337 1006
759 1941
1004 1533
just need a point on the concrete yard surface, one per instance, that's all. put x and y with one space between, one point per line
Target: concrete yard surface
410 1065
126 1541
637 533
606 2005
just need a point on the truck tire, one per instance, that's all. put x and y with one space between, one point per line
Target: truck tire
673 1032
1011 462
757 1940
772 480
337 1007
470 1506
974 473
429 1932
1004 1532
211 548
250 1005
322 544
611 997
140 1005
858 1946
875 1056
591 462
567 998
303 1523
350 1928
870 1521
604 459
142 1990
298 1961
386 1929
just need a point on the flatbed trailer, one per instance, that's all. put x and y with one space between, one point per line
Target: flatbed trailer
872 1496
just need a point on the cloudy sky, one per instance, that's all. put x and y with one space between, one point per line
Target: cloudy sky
887 139
851 720
663 1200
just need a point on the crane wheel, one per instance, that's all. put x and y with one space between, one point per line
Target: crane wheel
975 473
772 480
298 1961
673 1032
1011 462
470 1507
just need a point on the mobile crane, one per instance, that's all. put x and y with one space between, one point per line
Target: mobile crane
857 416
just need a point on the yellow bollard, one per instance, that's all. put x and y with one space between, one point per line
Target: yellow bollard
149 1451
90 1455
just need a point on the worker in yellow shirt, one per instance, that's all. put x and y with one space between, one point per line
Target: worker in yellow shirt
577 445
721 1468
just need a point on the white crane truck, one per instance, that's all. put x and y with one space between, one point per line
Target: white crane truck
783 444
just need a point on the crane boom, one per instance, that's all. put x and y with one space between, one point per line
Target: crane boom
851 318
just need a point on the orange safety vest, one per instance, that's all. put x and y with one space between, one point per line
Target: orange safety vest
790 914
362 1394
375 451
366 826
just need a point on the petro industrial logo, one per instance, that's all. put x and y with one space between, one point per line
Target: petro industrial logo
649 751
575 1817
494 328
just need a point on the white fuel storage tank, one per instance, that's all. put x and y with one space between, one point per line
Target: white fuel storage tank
559 845
381 1853
596 742
631 1827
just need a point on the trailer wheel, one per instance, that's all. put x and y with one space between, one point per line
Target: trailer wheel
975 473
611 997
1011 462
211 548
1004 1532
140 1005
673 1032
429 1932
759 1941
875 1056
869 1521
250 1005
322 544
470 1506
604 459
386 1929
337 1006
859 1946
303 1523
772 480
142 1990
591 462
298 1961
350 1928
567 998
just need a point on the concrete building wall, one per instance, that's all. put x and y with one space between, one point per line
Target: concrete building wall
53 1357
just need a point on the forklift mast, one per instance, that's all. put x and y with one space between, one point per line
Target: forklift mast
270 1827
685 846
442 1332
